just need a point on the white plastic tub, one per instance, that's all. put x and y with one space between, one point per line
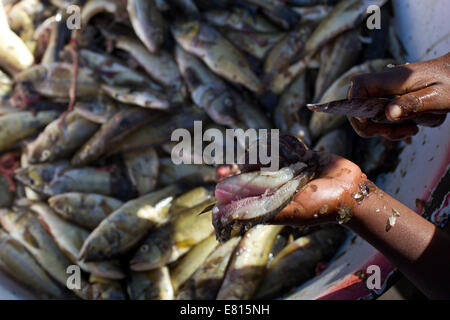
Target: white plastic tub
424 29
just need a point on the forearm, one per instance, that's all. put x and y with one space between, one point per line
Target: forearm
417 247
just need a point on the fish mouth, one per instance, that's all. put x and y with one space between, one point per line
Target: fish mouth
242 204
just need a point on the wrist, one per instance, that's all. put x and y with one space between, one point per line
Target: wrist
359 202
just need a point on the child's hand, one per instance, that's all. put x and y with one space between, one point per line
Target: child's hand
335 188
422 88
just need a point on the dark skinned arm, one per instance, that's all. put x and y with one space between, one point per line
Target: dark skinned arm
417 247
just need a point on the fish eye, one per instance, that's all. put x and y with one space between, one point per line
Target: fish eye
144 248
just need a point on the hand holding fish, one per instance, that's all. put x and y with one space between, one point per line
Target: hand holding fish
338 191
330 196
420 89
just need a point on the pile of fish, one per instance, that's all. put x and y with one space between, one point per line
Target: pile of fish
86 116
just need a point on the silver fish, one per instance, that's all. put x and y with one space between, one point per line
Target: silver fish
150 285
217 53
186 267
19 125
207 280
84 209
142 168
129 224
70 238
248 264
17 262
147 22
60 138
297 261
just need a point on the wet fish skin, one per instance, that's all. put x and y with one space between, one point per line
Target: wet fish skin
25 228
314 13
335 142
142 168
278 12
287 49
255 197
59 177
249 114
159 129
257 44
147 22
5 85
19 263
170 172
287 112
19 125
296 263
239 19
105 289
222 103
345 49
217 53
160 66
29 193
112 132
192 198
357 107
70 238
254 183
150 285
344 16
155 251
37 176
98 110
60 139
54 80
6 195
93 7
186 229
248 264
190 228
208 91
129 224
111 70
142 97
186 267
206 281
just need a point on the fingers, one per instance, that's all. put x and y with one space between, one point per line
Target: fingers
432 99
380 84
369 129
400 79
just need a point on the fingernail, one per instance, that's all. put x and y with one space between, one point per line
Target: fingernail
395 111
350 91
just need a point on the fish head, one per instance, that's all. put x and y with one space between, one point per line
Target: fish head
62 203
218 102
186 32
33 74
